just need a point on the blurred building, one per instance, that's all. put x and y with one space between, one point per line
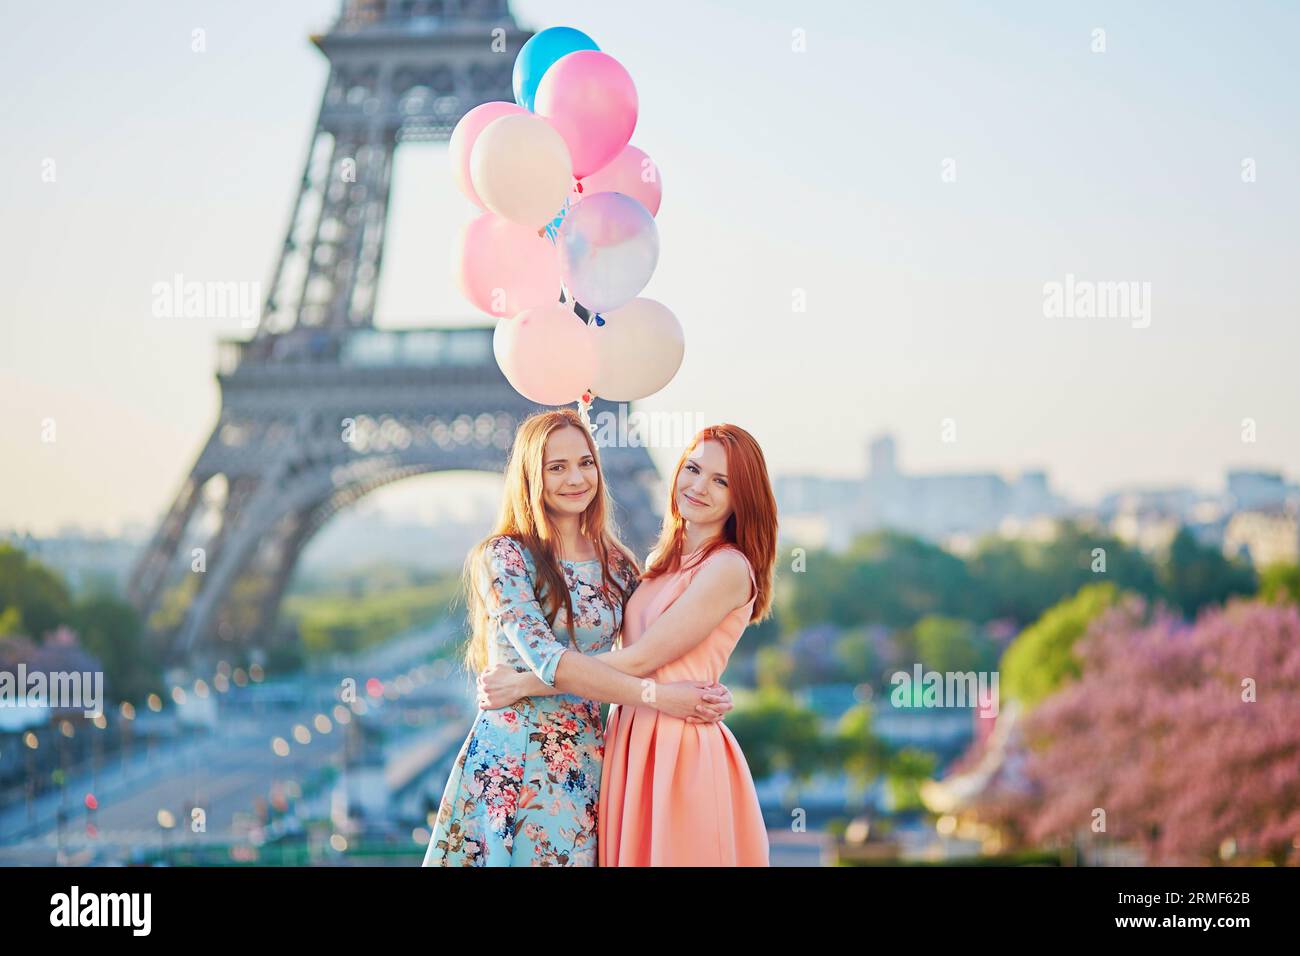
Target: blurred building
830 512
1148 518
1147 530
87 562
1256 490
1266 536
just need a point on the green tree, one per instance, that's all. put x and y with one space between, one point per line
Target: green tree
1042 657
111 630
173 602
11 622
39 594
906 770
1195 575
1021 579
1278 584
1000 567
856 749
857 656
885 577
777 734
774 668
330 623
951 644
763 634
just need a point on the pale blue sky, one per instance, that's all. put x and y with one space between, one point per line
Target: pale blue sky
817 171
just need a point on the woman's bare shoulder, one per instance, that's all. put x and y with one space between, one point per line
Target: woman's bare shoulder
727 569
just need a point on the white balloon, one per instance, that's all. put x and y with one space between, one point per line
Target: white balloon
521 169
609 247
638 350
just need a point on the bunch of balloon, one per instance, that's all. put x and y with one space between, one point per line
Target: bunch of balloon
568 221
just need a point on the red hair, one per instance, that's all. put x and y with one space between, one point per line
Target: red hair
751 527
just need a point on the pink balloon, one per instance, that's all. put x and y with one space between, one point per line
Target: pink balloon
546 353
504 268
632 173
465 135
590 99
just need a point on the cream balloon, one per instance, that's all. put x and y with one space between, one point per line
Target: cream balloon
464 136
520 168
638 350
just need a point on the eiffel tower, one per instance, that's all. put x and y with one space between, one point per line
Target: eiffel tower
319 407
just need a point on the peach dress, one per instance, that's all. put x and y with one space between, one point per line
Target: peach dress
674 793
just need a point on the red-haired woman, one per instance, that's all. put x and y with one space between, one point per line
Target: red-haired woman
677 791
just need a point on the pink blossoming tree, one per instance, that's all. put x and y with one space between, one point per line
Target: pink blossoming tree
1186 736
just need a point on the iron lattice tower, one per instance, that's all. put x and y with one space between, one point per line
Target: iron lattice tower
319 407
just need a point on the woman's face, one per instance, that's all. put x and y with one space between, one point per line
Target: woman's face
703 492
569 475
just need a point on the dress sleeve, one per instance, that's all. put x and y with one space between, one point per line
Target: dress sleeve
627 572
513 606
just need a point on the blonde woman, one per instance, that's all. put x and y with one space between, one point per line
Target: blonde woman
551 577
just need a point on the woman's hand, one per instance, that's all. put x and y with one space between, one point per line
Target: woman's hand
716 703
500 686
689 699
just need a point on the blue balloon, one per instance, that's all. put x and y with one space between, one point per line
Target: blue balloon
537 55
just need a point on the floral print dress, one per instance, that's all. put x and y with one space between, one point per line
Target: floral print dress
525 787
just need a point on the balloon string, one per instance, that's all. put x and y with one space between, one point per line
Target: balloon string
552 230
587 316
586 398
553 233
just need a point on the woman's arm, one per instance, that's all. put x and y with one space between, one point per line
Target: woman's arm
512 604
500 686
719 587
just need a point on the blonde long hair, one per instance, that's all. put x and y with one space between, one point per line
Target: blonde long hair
523 517
751 527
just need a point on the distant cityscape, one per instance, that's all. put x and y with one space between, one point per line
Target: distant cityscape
1256 516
